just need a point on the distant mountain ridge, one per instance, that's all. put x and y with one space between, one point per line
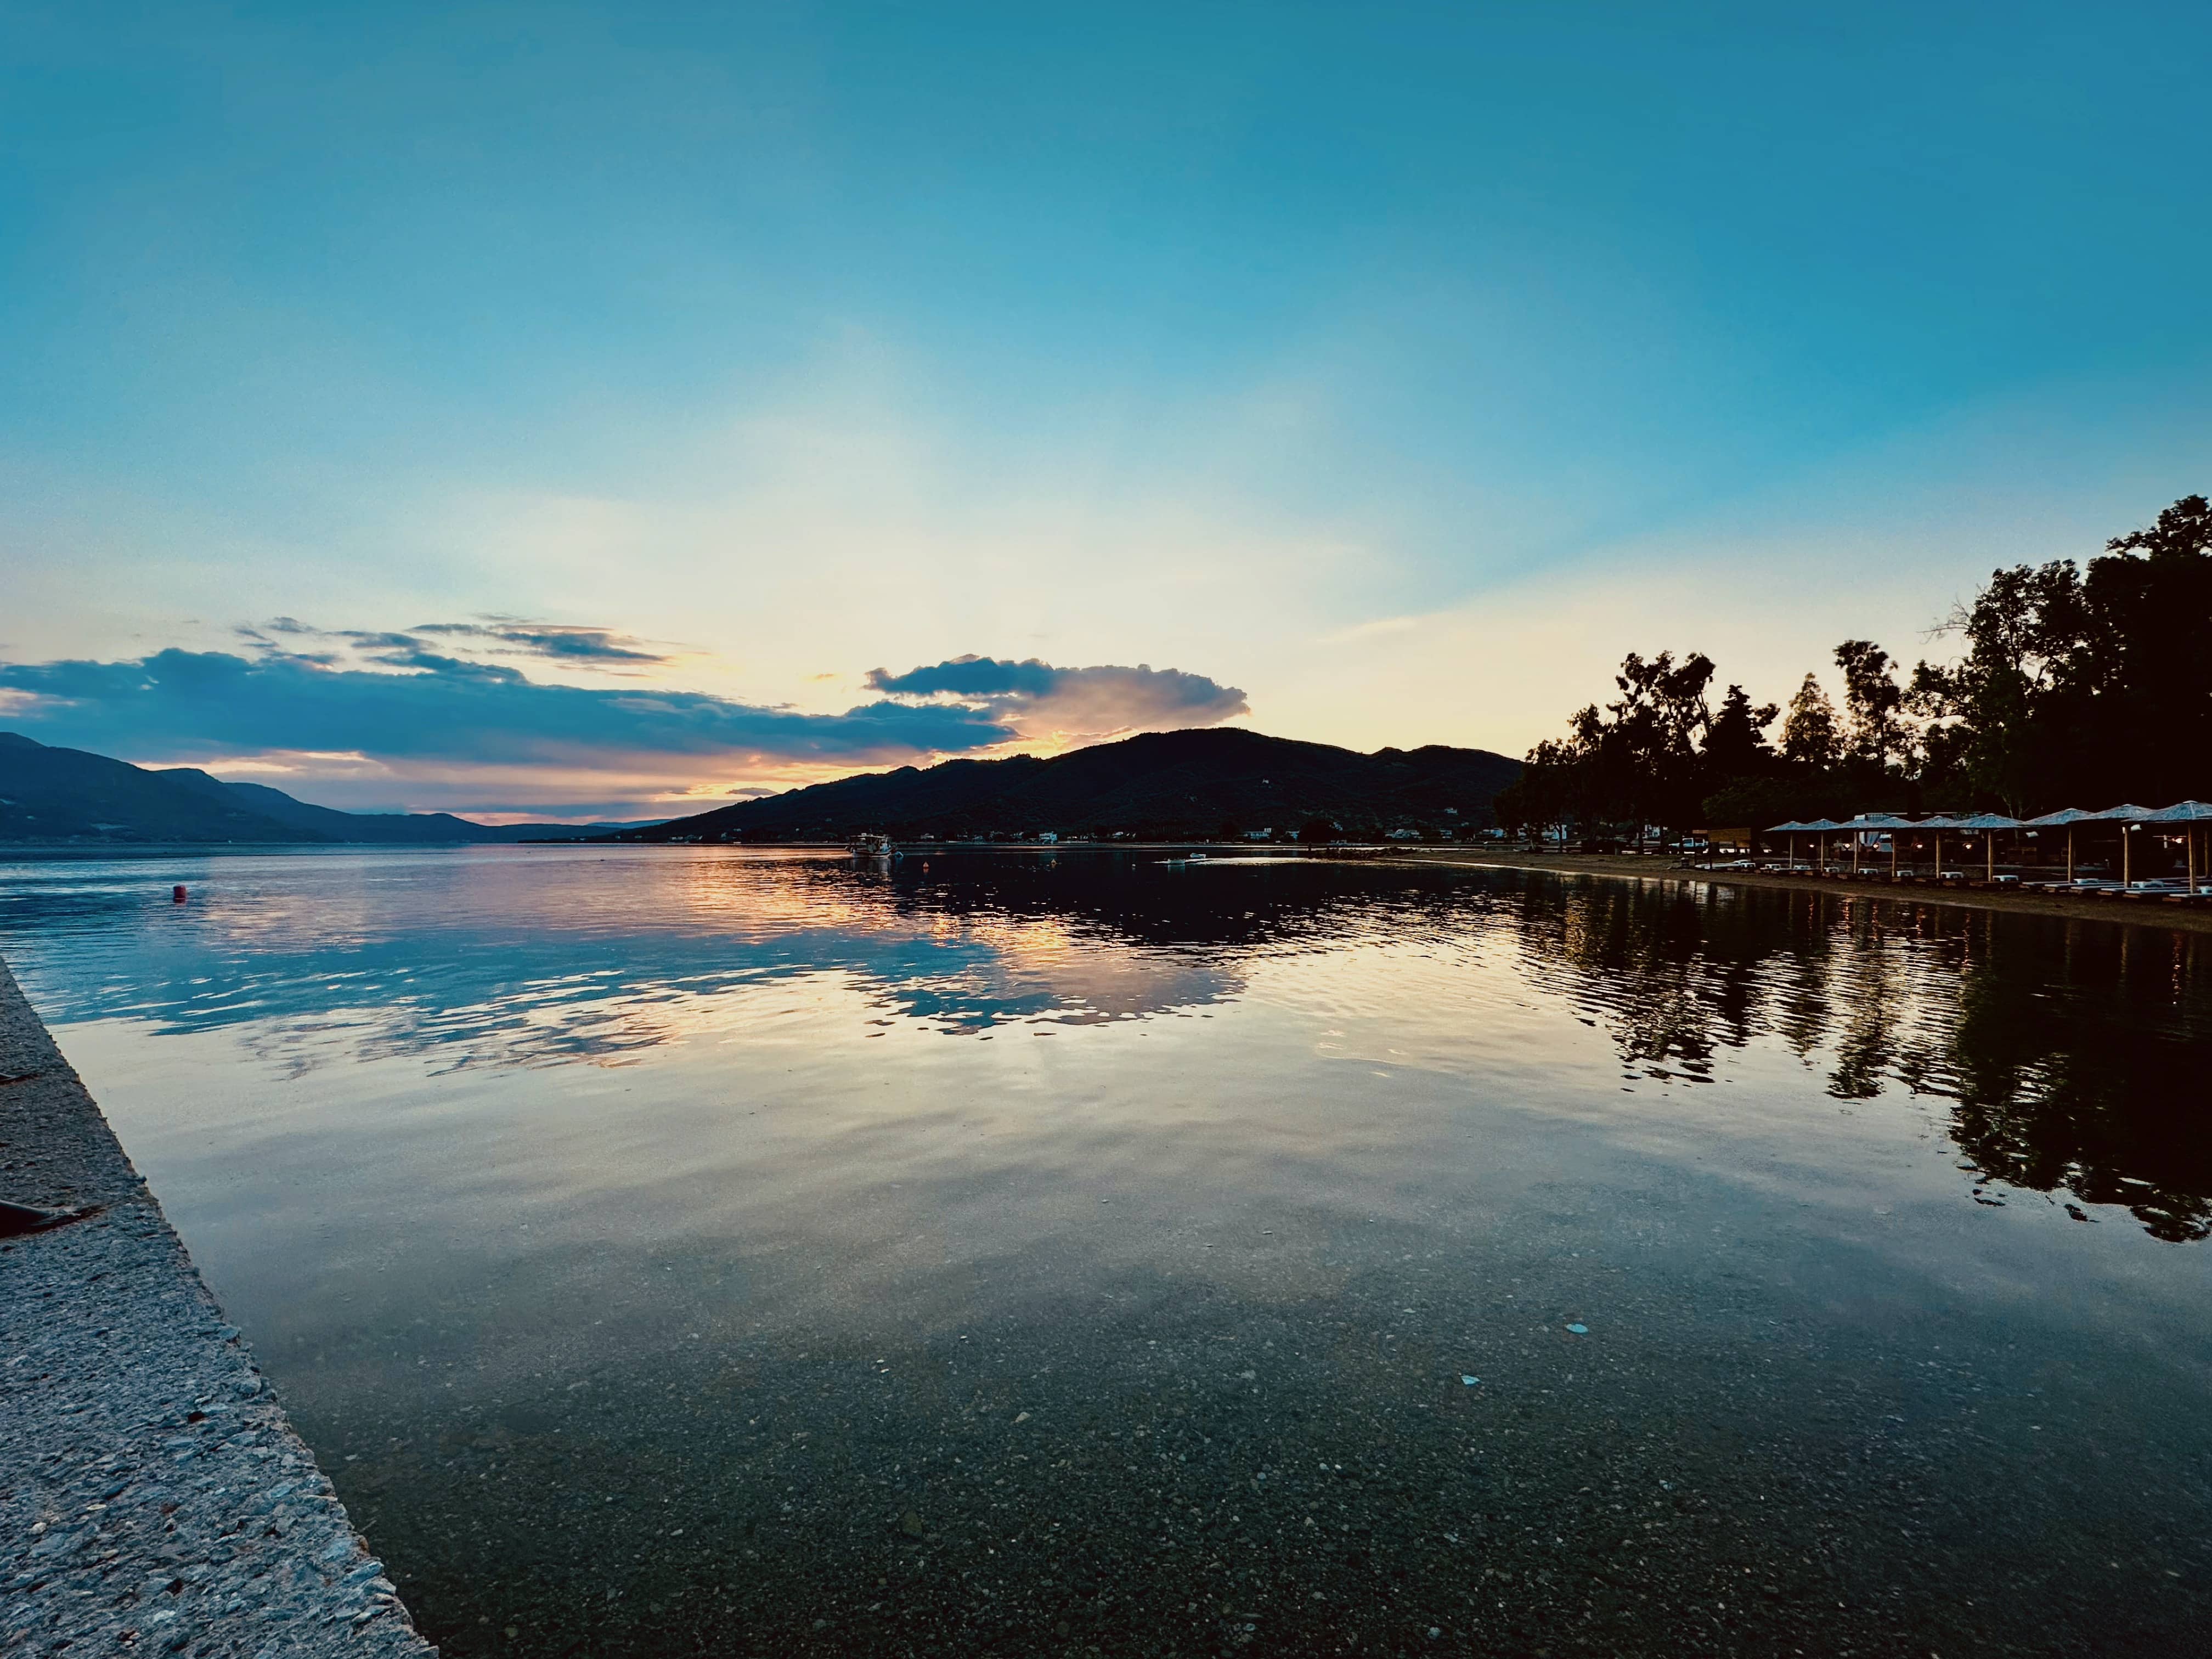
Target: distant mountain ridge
1167 784
70 795
1164 784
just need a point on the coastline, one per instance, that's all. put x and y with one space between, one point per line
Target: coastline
2173 918
154 1496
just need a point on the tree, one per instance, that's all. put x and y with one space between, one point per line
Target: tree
2076 686
1647 742
1544 795
2183 531
1808 735
2145 671
1873 699
2083 687
1636 761
1998 714
1735 742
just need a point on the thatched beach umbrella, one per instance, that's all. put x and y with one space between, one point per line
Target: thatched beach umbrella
2128 818
1823 828
1792 830
2070 816
1939 823
1988 824
1867 822
2188 814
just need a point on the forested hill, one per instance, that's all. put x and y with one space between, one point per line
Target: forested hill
49 794
1160 784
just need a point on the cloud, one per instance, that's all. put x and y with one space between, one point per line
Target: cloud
555 640
430 707
430 644
379 715
975 676
1040 701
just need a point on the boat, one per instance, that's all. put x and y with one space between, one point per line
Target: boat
871 847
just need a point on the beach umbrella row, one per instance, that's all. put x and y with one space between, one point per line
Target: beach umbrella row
2187 813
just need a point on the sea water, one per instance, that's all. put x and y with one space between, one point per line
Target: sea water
684 1249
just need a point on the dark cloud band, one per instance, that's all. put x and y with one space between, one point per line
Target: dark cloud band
445 709
411 701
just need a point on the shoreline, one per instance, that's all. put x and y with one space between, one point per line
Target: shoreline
2173 918
154 1496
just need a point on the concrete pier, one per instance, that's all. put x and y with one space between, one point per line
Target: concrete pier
153 1499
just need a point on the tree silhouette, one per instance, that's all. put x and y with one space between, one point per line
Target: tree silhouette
1808 735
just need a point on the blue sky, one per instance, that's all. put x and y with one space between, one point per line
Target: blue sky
1390 370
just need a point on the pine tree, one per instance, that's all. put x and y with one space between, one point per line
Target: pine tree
1808 736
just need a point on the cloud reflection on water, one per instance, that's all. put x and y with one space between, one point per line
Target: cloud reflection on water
2070 1054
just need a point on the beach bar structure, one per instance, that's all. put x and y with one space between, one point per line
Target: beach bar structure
2129 820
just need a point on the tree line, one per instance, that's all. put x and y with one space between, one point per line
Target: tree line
2074 687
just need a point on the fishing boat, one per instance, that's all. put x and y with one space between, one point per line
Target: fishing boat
871 847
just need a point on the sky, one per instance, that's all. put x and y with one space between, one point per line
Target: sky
601 411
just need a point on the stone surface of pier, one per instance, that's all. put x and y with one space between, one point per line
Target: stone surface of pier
153 1499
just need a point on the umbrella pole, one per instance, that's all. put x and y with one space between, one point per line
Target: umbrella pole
1939 855
1893 855
2070 855
1989 847
2127 857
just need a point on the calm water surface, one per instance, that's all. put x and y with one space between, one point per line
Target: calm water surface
676 1250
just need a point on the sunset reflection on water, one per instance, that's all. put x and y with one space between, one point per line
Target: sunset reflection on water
770 1189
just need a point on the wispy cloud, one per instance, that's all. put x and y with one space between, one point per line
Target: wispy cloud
554 641
568 644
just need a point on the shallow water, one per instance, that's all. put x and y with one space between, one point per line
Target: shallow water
687 1249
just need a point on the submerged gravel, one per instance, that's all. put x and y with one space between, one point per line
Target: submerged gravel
153 1496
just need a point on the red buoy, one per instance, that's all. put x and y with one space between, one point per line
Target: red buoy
177 894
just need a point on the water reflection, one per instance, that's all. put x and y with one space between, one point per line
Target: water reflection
2071 1054
691 1251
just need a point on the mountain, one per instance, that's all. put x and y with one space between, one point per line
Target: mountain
49 794
1160 784
66 794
